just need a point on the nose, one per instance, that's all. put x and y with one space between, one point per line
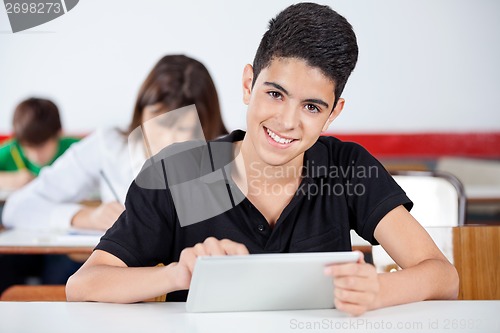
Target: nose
289 118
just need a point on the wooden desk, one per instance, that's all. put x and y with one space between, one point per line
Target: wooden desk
429 316
60 242
38 242
476 250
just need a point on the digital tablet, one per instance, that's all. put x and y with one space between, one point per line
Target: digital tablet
258 282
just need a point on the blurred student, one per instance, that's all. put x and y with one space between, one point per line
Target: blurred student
106 162
37 142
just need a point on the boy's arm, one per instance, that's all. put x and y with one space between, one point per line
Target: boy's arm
425 274
54 196
13 180
106 278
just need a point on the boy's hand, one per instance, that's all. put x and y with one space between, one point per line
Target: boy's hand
104 216
98 218
17 179
210 247
24 177
356 286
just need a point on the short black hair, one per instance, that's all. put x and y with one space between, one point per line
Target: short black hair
35 121
314 33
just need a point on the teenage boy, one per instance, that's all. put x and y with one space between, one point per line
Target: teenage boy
303 192
37 142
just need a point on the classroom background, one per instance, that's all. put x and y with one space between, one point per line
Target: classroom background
424 66
425 86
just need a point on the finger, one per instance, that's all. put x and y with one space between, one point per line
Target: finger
361 259
188 258
351 269
353 283
352 309
233 248
199 250
355 297
213 247
183 275
189 255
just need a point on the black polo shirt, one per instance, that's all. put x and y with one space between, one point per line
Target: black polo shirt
343 188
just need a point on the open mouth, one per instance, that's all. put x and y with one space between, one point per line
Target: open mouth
277 139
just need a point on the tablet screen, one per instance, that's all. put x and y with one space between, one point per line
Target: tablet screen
264 282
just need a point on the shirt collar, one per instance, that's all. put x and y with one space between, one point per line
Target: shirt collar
316 160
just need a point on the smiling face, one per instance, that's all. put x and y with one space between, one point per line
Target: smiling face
289 106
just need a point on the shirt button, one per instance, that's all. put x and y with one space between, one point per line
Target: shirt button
260 227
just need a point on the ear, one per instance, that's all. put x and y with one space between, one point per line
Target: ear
335 113
247 83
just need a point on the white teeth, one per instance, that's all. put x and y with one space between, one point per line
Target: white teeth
277 138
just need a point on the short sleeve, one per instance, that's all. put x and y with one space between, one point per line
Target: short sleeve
143 234
371 192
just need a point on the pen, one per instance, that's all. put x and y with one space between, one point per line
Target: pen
109 185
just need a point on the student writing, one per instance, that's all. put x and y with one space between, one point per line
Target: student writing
37 142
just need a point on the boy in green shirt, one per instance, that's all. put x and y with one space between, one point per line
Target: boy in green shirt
36 143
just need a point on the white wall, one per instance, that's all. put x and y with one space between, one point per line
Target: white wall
429 65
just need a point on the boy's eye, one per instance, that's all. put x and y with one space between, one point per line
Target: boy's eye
275 94
312 108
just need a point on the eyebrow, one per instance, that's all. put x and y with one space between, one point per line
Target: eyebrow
277 86
309 100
